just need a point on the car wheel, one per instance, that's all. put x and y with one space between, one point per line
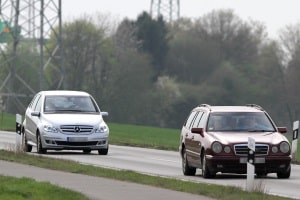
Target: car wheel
25 147
285 174
87 151
40 148
103 151
186 169
205 171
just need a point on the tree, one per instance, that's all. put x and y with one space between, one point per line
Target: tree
153 36
198 48
290 43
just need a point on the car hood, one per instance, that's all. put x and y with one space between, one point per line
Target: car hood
262 137
73 119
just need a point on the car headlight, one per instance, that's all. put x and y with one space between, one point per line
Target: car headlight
216 147
102 129
284 147
50 128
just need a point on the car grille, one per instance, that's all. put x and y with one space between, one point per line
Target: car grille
91 143
242 149
77 129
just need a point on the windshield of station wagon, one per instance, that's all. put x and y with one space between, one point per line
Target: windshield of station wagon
239 121
69 104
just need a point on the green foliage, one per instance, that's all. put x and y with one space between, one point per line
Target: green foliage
153 35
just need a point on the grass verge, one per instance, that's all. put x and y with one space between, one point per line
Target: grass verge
214 191
26 188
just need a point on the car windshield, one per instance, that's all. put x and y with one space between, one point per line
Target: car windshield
239 121
69 104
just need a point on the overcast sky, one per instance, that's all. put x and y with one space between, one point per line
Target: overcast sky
275 14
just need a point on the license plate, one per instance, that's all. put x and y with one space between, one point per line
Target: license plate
257 160
76 139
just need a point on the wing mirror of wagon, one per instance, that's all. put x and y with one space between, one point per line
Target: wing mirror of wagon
282 129
198 131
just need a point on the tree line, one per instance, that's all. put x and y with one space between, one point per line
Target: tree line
150 72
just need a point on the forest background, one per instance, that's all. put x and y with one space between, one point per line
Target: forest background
151 72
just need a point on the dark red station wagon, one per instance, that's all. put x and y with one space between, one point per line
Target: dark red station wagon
215 139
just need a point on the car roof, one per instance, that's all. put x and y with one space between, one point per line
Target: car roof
64 92
249 108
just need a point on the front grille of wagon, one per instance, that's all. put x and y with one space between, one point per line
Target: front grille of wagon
242 149
76 129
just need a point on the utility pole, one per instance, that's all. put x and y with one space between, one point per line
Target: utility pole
168 9
28 22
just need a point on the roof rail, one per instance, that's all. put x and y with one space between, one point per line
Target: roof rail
255 106
204 105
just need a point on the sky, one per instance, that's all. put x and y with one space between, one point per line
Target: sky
274 14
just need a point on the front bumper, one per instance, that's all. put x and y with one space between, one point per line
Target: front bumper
238 165
59 141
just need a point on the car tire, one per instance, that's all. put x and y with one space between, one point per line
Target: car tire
186 169
25 147
285 174
40 148
103 151
87 151
205 170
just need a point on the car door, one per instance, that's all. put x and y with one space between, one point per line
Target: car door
195 144
187 135
32 121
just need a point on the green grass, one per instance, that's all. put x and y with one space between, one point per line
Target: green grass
210 190
26 188
144 136
7 122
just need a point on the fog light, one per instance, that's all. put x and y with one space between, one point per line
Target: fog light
227 149
274 149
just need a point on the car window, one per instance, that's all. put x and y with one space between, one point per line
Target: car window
203 120
69 103
190 119
33 101
197 120
38 104
239 121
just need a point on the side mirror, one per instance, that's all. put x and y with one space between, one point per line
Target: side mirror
104 113
36 114
198 131
282 129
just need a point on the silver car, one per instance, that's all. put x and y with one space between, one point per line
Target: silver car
61 120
